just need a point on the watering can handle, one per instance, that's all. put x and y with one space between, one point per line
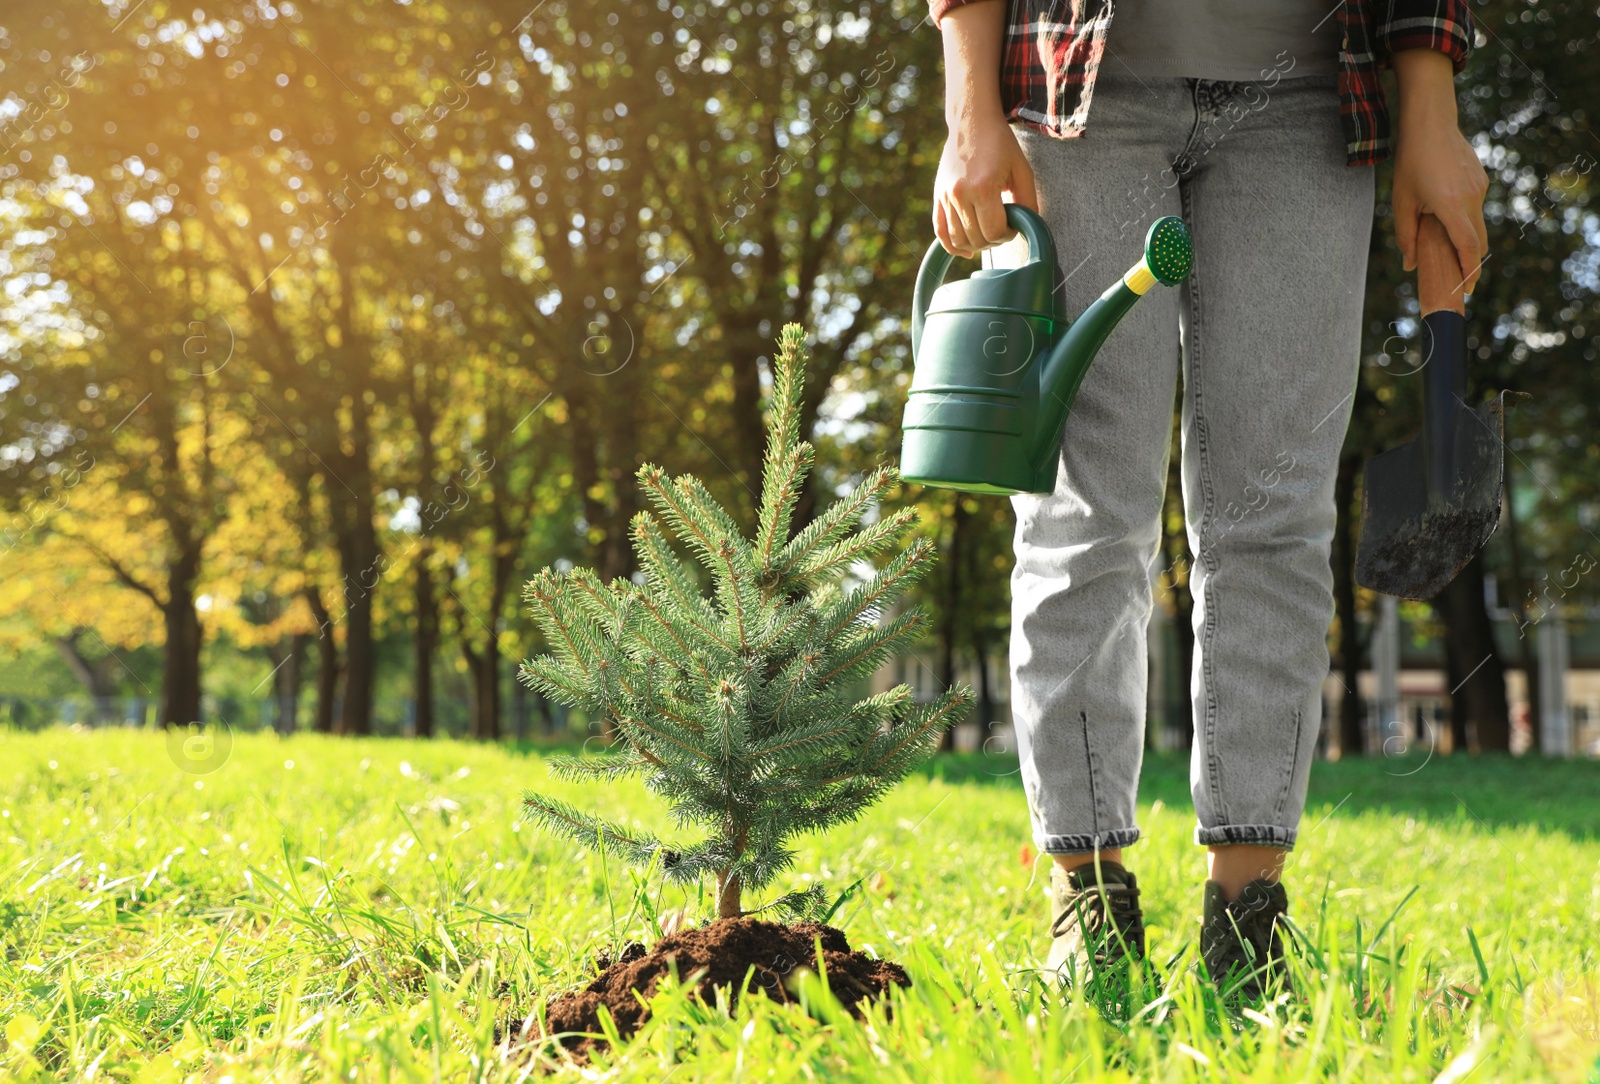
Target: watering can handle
1041 249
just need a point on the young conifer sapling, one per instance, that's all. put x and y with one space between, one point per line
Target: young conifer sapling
734 701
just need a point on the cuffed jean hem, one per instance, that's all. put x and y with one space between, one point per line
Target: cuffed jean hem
1261 835
1100 841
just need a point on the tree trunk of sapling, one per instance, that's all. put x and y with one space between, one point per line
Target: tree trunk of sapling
729 888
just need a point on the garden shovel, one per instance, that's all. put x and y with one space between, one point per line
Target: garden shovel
1429 505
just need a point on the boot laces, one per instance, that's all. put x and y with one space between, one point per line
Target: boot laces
1096 907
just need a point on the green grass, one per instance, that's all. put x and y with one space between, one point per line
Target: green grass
374 911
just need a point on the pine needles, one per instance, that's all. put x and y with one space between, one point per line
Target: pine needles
736 706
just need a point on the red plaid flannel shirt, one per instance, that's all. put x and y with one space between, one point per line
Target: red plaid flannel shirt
1053 48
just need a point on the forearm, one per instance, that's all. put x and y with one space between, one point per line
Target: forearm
1436 171
982 160
972 43
1425 80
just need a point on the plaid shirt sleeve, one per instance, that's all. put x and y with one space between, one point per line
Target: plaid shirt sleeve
1374 30
1442 25
937 9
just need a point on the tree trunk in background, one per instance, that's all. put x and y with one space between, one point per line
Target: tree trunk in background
95 677
426 639
358 557
327 664
519 710
483 693
750 430
288 668
180 674
1175 554
352 493
607 408
980 647
547 716
1527 650
483 665
1472 665
424 418
1352 735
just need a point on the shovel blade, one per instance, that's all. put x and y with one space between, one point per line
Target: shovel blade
1413 543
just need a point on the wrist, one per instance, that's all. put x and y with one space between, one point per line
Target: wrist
1428 111
970 104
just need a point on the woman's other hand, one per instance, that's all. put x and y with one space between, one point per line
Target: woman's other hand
1435 169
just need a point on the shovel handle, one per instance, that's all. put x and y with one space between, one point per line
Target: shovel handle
1444 374
1439 275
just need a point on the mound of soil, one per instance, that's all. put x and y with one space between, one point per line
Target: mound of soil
726 950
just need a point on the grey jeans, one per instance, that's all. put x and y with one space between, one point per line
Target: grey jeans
1269 326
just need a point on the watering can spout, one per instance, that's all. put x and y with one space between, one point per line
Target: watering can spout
998 363
1168 255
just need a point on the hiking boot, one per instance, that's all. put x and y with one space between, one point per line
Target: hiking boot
1241 941
1098 926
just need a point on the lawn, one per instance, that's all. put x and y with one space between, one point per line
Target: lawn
323 908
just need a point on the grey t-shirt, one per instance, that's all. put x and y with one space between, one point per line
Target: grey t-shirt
1223 39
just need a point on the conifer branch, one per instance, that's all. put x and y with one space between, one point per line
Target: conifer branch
947 703
889 583
875 643
540 590
666 497
788 460
671 578
580 827
725 551
837 519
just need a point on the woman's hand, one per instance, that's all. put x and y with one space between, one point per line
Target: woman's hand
981 156
981 160
1435 169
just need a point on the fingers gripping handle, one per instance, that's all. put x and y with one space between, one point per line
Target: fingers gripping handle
936 264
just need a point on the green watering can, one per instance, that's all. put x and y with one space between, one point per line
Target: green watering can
998 363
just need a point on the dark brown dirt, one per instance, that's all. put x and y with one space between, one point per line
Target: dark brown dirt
725 950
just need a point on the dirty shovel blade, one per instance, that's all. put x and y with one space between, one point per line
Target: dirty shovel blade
1412 547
